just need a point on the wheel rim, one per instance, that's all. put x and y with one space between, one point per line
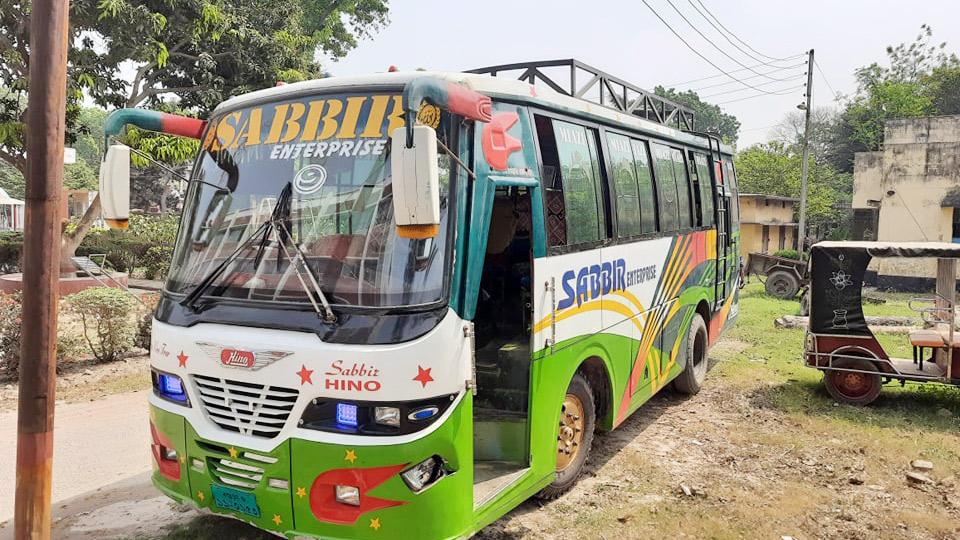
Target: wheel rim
851 384
570 437
780 286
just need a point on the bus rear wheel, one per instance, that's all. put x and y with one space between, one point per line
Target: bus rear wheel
691 378
574 437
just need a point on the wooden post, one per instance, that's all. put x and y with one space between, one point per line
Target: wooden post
946 300
41 256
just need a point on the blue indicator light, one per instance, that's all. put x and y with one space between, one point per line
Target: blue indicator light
347 414
424 413
171 387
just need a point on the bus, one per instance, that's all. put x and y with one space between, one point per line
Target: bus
403 303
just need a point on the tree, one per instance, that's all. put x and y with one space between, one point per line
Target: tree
790 131
203 51
775 169
708 117
920 79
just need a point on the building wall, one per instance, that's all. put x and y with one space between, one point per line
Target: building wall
915 183
751 238
765 210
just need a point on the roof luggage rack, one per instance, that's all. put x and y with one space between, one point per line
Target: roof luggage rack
614 93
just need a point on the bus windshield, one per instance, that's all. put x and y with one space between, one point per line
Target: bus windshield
331 154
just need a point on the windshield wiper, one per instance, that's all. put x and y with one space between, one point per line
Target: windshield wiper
280 212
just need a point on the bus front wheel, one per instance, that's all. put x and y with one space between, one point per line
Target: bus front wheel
691 378
574 436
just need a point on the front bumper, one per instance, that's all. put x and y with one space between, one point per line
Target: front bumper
306 507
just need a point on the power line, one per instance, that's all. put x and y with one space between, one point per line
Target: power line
735 90
784 92
705 8
836 95
695 51
715 46
684 83
722 34
746 79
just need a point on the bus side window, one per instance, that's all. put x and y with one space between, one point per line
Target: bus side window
648 201
683 189
556 216
730 176
706 188
666 188
578 169
625 186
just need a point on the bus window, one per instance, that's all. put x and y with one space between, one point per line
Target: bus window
580 177
624 186
706 188
648 206
666 188
683 188
730 176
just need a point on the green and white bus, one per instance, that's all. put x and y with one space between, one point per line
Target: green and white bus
401 304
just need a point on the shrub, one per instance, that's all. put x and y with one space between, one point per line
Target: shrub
157 261
788 254
145 320
11 252
104 313
10 315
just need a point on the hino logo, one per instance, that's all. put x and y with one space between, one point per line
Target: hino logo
237 358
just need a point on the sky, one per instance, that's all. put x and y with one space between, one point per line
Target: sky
626 39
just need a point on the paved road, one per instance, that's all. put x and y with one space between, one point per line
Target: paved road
95 444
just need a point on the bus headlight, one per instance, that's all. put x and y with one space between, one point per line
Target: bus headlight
424 474
388 416
348 495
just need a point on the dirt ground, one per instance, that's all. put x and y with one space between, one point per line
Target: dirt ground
761 452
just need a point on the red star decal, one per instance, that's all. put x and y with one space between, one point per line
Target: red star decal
182 359
305 375
423 376
323 503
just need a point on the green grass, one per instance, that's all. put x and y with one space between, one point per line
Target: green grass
774 356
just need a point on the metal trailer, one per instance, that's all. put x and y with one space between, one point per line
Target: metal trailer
781 277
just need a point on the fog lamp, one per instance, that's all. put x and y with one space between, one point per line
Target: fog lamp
423 474
348 495
388 416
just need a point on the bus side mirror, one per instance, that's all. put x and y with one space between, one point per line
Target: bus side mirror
416 183
115 186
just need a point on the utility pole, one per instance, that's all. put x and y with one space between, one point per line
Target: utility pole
41 267
804 168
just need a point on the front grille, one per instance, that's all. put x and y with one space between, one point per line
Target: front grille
234 473
247 408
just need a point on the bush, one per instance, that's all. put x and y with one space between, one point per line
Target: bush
788 254
157 261
145 321
10 314
11 252
104 313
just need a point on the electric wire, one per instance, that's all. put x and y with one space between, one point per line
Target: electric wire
705 8
786 91
715 46
746 79
730 41
735 90
684 83
836 95
695 51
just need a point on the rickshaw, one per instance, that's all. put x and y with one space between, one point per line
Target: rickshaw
841 345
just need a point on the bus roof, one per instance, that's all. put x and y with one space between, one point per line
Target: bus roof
497 87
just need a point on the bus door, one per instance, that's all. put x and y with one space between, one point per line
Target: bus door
724 248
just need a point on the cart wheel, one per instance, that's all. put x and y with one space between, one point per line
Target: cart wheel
852 387
805 303
782 284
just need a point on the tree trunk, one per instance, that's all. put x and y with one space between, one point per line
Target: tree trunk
71 241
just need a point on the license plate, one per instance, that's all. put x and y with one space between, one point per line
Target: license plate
234 499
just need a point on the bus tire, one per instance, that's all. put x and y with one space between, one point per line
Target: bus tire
574 437
850 387
691 378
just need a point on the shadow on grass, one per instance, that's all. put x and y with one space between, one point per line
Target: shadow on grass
929 407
